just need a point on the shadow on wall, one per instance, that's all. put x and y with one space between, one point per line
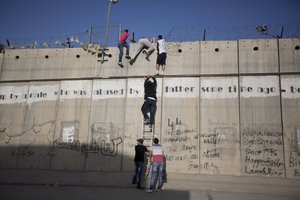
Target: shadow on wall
65 163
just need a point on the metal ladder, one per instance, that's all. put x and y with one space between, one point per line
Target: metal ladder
147 136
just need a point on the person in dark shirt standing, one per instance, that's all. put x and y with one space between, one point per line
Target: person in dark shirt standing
139 157
150 86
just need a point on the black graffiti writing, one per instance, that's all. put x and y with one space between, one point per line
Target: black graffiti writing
209 166
93 147
211 153
177 139
264 171
264 152
293 162
258 162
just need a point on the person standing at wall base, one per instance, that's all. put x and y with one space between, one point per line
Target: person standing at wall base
140 151
157 159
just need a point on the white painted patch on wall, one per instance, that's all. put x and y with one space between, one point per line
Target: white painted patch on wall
181 88
75 89
43 93
259 86
13 94
290 87
219 88
106 89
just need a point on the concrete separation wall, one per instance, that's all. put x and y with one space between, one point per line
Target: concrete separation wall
230 111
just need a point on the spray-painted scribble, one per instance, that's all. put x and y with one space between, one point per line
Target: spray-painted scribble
34 130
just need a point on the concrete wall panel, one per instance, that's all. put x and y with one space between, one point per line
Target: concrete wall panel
79 63
72 125
183 58
218 57
289 52
13 108
258 56
48 64
17 64
291 124
180 117
219 126
36 142
107 125
110 68
261 132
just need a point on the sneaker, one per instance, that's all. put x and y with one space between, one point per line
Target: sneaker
131 62
128 57
120 64
144 52
146 121
149 191
147 58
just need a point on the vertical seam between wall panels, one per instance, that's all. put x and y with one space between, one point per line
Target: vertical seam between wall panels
22 126
55 125
89 122
281 113
239 105
124 123
199 111
161 108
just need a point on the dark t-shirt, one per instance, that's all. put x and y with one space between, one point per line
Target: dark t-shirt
139 153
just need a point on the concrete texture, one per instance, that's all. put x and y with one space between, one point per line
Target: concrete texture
291 124
258 56
218 57
289 53
219 126
180 186
218 112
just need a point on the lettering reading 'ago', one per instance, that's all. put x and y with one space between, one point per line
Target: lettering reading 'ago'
179 89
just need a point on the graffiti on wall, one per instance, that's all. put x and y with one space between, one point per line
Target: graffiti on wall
31 134
181 144
219 141
262 149
104 140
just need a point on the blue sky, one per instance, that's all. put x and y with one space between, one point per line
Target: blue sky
51 18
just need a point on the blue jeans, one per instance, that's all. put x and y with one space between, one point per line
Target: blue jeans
156 167
121 46
149 103
138 173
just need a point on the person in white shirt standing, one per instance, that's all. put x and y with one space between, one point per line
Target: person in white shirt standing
161 55
157 159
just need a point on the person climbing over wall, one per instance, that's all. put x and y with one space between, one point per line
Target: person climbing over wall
139 157
122 44
157 160
143 43
150 98
161 55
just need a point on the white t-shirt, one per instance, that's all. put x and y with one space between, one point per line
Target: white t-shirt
161 46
